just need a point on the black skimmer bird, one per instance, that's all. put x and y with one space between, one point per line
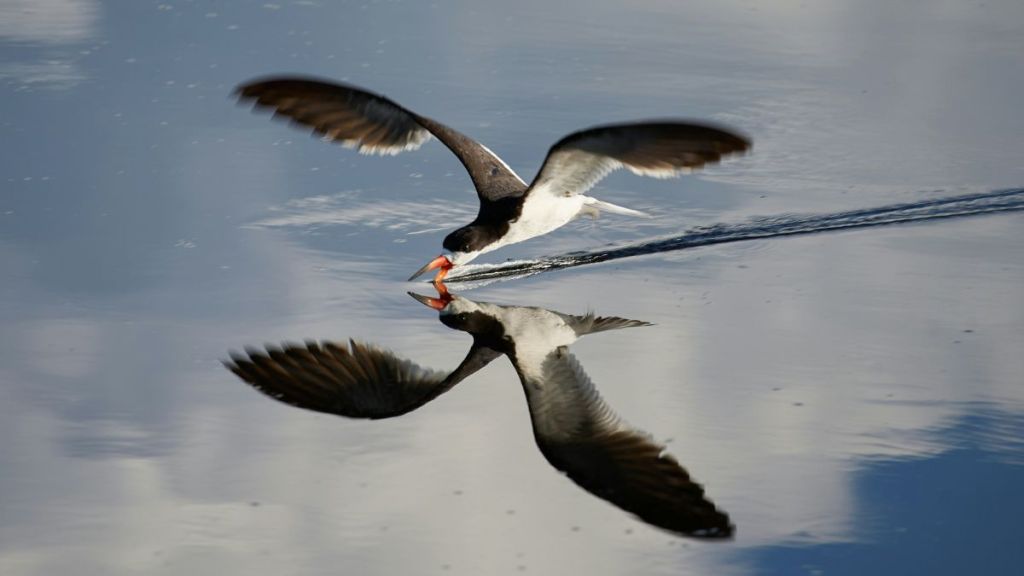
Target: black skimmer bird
576 431
510 209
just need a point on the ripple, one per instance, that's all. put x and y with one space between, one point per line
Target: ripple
1010 200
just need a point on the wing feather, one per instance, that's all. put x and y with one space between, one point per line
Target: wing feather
343 114
374 124
659 149
589 323
357 381
582 436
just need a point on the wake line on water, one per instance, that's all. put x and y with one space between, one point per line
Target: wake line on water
1011 200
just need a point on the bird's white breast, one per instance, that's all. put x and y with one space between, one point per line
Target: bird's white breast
536 333
541 214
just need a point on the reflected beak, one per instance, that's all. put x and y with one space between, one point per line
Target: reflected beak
435 303
441 262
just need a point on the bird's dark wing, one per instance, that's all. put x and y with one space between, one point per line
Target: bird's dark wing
376 125
580 435
659 149
356 381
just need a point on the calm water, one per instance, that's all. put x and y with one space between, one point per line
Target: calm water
853 399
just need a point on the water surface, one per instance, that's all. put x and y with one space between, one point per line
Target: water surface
852 398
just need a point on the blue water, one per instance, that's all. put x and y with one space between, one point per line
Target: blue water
851 393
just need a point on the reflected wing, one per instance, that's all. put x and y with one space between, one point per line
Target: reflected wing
580 435
376 125
358 381
659 149
589 324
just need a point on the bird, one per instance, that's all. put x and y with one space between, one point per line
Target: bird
576 431
510 210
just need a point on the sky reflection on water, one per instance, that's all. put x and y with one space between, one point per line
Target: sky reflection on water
830 390
910 506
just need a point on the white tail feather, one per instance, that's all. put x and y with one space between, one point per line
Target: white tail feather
595 205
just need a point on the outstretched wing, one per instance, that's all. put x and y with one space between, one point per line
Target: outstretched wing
659 149
374 124
580 435
356 381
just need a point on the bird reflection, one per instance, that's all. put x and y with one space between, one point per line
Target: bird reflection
575 429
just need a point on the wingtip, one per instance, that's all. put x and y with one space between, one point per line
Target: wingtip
718 533
245 90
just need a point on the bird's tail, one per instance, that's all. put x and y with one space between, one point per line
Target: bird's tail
593 207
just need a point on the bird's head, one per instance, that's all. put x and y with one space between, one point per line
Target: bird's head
460 313
463 245
467 243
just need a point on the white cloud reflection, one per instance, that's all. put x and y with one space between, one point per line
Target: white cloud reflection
66 348
347 208
48 21
44 32
463 474
47 73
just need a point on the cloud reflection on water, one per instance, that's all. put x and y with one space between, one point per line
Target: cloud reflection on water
41 41
229 450
48 21
349 208
773 360
907 505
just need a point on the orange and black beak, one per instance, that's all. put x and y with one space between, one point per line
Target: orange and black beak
441 262
436 303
